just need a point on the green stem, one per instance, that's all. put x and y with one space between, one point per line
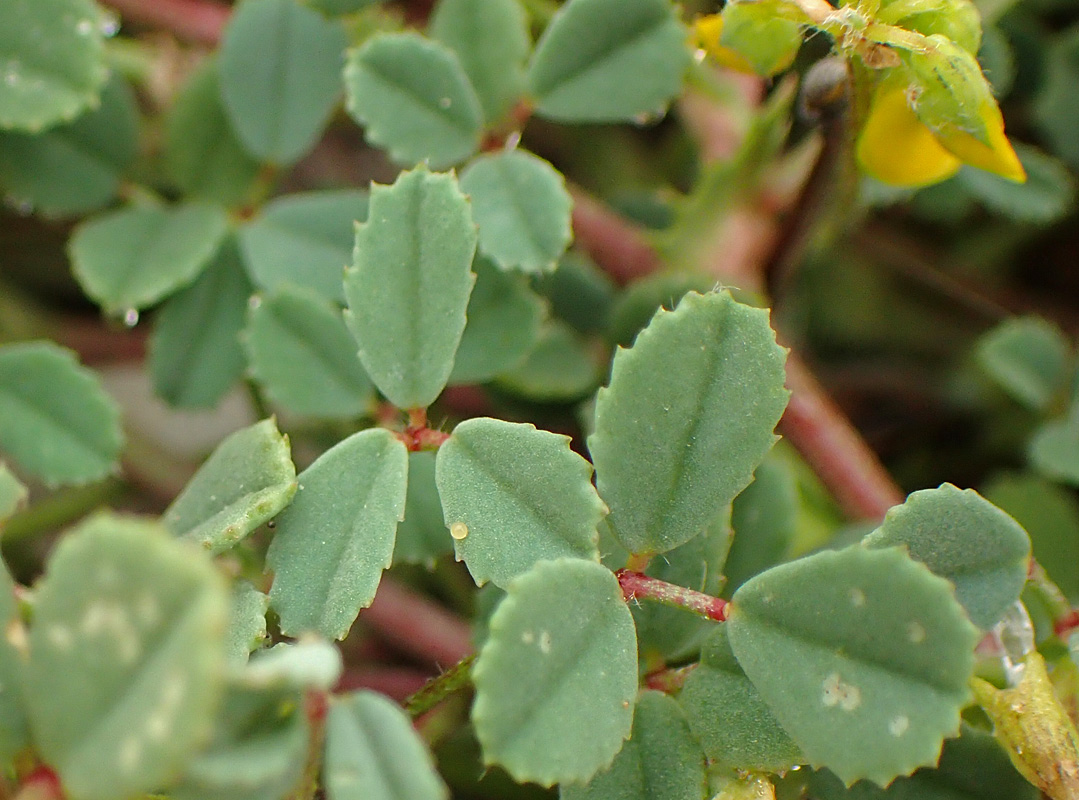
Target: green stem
437 689
62 508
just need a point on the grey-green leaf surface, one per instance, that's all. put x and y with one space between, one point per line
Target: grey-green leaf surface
609 60
1028 357
56 421
521 494
671 451
522 208
202 153
195 350
1050 514
661 761
557 677
503 325
74 168
304 239
12 493
247 622
764 517
579 293
414 100
246 480
1045 196
1054 448
730 718
373 753
868 675
258 750
53 56
126 657
670 634
972 767
963 537
558 368
491 40
303 356
13 728
280 76
337 536
133 257
408 291
422 537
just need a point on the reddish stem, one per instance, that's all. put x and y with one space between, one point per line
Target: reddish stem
636 585
834 449
396 682
41 784
199 21
418 626
668 679
1066 624
618 246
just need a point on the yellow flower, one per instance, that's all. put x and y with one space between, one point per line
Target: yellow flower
897 148
707 31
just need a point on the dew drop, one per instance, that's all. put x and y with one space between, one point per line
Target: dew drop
109 25
458 530
130 318
254 301
512 141
699 55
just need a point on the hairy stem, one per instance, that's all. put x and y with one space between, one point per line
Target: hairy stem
636 585
199 21
438 689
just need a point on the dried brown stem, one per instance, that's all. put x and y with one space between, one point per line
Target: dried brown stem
200 21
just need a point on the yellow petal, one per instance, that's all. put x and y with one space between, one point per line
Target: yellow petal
997 156
896 148
707 31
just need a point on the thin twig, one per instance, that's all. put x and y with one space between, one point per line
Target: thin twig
200 21
636 585
438 689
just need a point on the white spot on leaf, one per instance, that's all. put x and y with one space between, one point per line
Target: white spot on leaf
899 725
857 597
836 692
916 632
545 642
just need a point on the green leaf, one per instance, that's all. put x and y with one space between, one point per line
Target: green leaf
764 518
244 482
131 258
310 664
512 495
522 208
304 239
409 288
670 634
258 751
1054 111
504 318
972 767
1054 450
340 6
1028 357
302 354
1050 514
12 493
963 537
491 40
247 622
414 100
335 539
74 168
373 753
202 153
579 292
1045 196
609 60
730 718
661 760
13 729
863 656
52 54
636 306
557 677
56 421
558 368
671 453
195 350
126 657
422 536
280 76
